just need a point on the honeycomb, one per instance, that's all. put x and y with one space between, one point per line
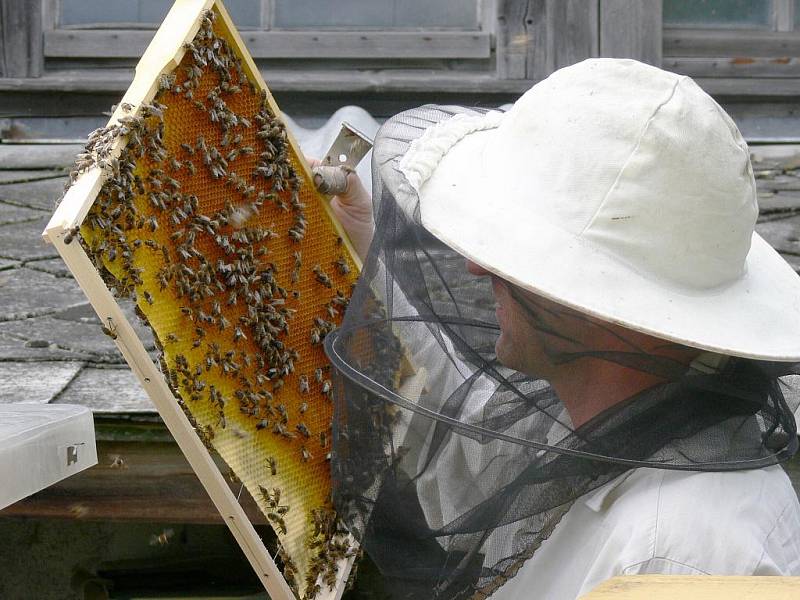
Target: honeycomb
208 221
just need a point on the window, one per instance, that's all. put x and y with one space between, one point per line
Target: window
286 14
384 14
734 45
753 14
351 29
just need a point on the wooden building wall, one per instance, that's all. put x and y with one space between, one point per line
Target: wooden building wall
52 68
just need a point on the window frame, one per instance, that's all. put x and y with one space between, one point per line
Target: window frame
85 41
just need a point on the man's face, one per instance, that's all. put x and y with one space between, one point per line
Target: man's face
537 335
525 339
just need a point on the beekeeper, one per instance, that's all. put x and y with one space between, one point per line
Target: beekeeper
569 355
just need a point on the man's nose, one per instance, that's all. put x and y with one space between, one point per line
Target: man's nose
476 269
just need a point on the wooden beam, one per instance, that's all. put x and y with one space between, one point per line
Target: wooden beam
114 81
112 43
728 42
733 66
537 37
675 587
133 481
286 80
20 38
631 29
753 87
512 39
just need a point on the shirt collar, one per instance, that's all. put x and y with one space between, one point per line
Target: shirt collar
706 362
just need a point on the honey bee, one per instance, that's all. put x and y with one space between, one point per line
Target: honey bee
327 387
280 429
78 510
304 385
71 233
321 276
110 330
163 538
239 433
166 81
342 265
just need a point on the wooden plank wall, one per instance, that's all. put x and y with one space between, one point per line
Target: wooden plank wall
531 39
631 29
536 37
70 43
20 38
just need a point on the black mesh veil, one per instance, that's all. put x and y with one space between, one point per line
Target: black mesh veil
451 468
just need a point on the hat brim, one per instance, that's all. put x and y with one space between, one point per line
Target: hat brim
756 316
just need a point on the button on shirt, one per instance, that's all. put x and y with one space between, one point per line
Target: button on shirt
667 522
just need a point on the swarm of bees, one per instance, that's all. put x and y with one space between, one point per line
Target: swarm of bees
208 222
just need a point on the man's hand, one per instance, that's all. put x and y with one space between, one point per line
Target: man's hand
351 202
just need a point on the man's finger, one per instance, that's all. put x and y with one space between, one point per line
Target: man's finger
331 180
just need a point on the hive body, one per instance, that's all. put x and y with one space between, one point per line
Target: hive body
208 219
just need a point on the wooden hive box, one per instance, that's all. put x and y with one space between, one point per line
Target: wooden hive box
195 202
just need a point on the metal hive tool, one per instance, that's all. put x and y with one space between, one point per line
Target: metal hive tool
195 202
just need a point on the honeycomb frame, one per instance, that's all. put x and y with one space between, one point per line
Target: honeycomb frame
164 56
